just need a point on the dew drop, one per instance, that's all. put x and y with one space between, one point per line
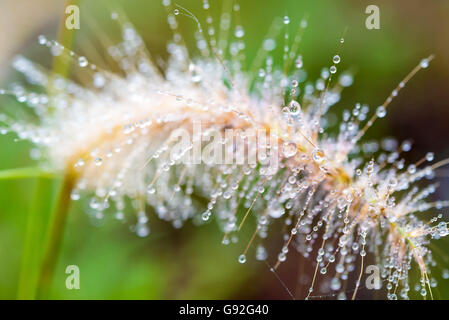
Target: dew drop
75 195
393 182
239 32
261 253
341 296
269 44
142 230
335 284
275 210
56 49
42 40
286 111
98 161
336 59
119 215
205 216
294 107
424 63
299 63
318 155
340 268
242 258
381 111
289 149
411 169
99 80
346 80
282 257
79 163
151 189
82 62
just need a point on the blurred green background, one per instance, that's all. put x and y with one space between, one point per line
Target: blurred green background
191 263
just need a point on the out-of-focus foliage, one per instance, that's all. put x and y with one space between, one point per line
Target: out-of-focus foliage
191 262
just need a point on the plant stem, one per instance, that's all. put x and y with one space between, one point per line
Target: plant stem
59 216
54 237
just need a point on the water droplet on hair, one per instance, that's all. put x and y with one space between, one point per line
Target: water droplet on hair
335 284
98 161
424 63
269 44
411 169
239 32
56 49
294 107
381 111
445 274
75 195
42 40
142 230
318 155
151 189
205 216
99 80
298 62
289 149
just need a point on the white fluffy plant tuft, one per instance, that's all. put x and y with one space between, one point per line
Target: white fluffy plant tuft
206 139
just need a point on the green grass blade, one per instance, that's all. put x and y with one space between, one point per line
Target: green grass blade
41 203
25 173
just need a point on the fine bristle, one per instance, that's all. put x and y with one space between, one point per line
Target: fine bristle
209 138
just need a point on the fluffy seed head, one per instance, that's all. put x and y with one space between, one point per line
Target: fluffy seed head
247 142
